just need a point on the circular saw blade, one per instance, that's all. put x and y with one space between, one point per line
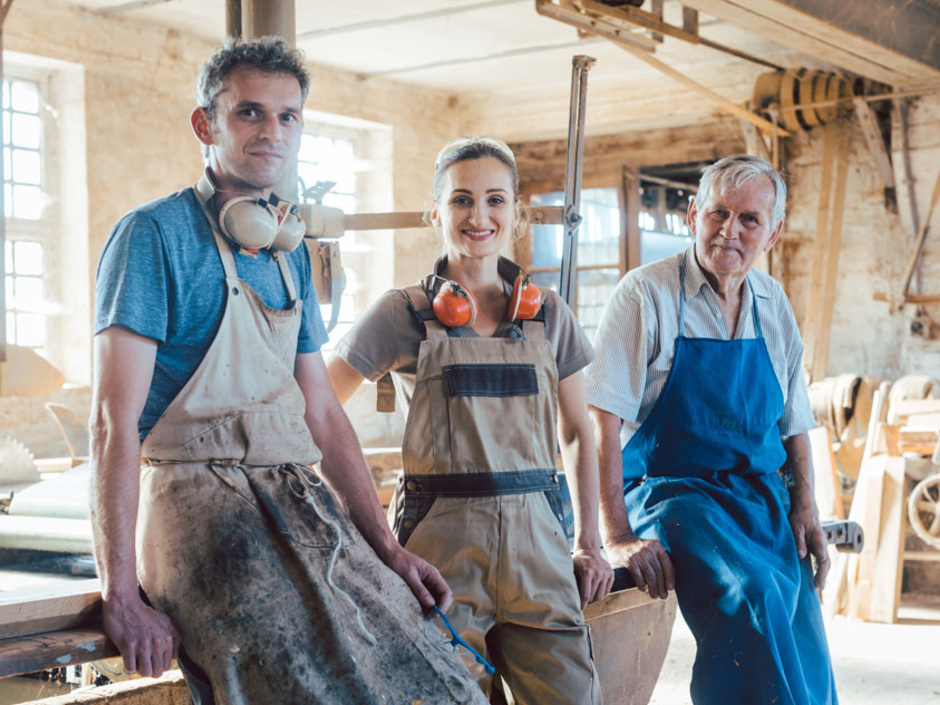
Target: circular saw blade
17 466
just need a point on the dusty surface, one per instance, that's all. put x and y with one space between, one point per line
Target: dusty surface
874 663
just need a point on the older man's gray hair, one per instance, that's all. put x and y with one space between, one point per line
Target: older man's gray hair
734 172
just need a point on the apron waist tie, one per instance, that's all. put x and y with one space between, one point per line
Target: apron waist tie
296 471
481 484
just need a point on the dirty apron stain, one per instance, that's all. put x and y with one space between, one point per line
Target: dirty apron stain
237 538
700 475
480 500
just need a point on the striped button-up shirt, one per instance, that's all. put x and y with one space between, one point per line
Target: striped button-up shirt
635 342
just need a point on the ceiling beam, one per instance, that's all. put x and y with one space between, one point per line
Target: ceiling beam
781 22
403 19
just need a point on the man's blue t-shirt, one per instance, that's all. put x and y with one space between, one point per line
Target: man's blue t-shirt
160 275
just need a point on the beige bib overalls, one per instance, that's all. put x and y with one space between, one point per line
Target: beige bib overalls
476 501
276 595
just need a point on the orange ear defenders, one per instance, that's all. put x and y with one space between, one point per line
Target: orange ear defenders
254 223
454 305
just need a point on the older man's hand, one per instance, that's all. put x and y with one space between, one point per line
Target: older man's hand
809 536
647 562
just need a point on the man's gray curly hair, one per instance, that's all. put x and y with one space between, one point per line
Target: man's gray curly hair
266 54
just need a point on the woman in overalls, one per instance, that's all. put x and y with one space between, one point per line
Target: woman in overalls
487 365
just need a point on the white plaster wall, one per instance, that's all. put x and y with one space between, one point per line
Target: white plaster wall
865 337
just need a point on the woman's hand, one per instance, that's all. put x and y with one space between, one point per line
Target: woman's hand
594 575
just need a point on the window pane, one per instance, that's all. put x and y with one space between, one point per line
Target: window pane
28 258
6 128
9 288
30 330
6 95
25 97
7 196
26 167
8 256
11 328
595 287
27 202
656 246
26 130
27 293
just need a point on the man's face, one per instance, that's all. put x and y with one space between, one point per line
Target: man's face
733 227
255 132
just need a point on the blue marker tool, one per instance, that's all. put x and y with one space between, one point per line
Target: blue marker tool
457 641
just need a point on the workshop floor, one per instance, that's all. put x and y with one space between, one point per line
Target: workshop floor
875 664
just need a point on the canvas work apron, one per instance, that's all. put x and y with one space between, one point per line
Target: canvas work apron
277 597
480 500
700 476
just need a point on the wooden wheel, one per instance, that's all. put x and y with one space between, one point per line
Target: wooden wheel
923 510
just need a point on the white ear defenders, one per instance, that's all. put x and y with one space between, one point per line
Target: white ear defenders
254 223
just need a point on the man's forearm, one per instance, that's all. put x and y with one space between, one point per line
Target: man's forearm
115 492
615 524
799 466
345 471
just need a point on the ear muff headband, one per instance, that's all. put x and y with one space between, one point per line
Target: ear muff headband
455 306
254 223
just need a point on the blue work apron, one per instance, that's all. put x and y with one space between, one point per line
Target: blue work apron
700 476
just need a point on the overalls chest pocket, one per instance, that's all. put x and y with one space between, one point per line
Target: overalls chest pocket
493 411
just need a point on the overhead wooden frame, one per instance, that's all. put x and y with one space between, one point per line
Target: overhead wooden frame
597 20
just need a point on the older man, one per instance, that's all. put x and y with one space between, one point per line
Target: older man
701 409
207 365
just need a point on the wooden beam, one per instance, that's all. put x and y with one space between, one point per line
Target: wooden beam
40 652
781 23
834 245
876 145
59 605
630 254
722 102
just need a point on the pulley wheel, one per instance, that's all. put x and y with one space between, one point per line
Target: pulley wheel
923 510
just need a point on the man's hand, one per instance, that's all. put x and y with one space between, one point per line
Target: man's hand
424 579
147 639
647 562
594 575
808 534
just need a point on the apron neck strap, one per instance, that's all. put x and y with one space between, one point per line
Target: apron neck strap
225 249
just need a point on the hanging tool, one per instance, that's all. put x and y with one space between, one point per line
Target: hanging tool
580 65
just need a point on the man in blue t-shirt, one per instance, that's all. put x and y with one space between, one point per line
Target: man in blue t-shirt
207 365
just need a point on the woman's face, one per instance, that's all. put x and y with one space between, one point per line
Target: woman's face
477 208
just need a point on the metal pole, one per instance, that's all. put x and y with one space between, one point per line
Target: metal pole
580 65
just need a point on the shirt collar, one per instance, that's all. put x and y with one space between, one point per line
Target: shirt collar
695 278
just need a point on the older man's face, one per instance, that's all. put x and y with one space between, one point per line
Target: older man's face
733 227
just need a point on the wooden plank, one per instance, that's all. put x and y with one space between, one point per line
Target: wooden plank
53 650
833 247
822 40
36 610
889 561
892 435
827 488
905 408
866 510
876 145
811 319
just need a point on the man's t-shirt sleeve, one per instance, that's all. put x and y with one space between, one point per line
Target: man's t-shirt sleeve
131 288
313 333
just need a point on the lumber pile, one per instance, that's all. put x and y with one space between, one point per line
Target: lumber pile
901 445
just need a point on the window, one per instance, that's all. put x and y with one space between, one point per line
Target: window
663 228
355 155
46 259
28 231
599 251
